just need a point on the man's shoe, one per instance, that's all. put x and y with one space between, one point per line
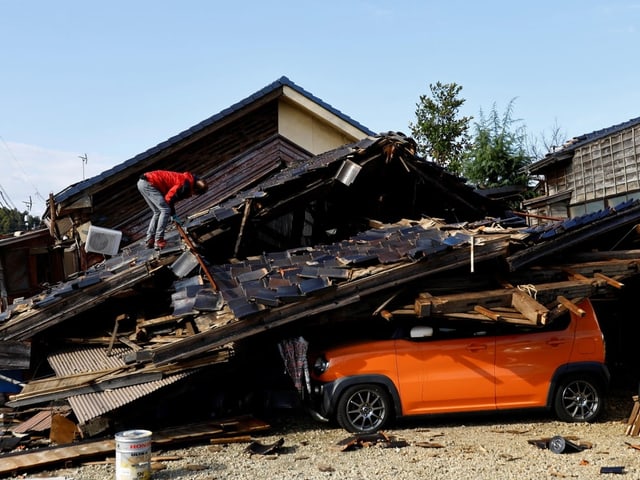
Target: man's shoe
150 243
161 243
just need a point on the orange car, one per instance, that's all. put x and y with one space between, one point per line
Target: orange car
445 366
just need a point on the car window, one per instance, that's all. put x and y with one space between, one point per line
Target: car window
464 329
439 329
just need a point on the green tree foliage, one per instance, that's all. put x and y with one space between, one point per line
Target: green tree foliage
439 131
11 220
498 155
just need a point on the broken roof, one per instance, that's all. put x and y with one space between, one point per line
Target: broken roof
339 192
267 289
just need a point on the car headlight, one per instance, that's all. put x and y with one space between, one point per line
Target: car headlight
320 365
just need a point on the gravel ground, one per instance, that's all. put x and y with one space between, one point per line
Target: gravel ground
480 447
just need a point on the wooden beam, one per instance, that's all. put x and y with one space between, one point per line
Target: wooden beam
608 280
574 275
158 321
39 458
116 325
496 317
572 307
535 312
461 302
425 305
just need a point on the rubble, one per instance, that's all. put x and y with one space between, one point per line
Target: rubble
137 323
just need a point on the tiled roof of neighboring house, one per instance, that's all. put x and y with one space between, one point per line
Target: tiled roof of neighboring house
567 150
281 82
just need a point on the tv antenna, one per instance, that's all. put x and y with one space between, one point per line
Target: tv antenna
84 161
29 204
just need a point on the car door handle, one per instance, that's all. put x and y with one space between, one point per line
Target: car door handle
555 342
475 347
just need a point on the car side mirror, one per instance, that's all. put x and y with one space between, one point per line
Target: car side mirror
421 331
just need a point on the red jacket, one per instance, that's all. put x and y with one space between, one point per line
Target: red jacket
173 185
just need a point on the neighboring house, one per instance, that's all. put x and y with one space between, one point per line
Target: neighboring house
234 149
589 173
27 262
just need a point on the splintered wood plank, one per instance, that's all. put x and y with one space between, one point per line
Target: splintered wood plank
529 307
633 417
608 280
63 387
14 463
571 306
158 321
39 458
58 383
501 317
426 305
488 313
461 302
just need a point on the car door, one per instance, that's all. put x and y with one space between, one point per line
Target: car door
452 371
526 359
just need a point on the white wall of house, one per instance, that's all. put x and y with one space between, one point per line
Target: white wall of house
311 126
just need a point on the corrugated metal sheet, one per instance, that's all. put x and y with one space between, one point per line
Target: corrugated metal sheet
40 422
92 405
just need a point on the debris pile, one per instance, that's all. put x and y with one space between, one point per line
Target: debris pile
201 312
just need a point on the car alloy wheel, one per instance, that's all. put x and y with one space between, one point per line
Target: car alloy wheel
578 400
363 409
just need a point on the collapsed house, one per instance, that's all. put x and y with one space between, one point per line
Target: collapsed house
326 248
316 250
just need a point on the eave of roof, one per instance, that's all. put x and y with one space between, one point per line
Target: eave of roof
547 199
269 89
566 152
24 237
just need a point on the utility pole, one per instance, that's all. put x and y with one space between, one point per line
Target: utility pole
84 161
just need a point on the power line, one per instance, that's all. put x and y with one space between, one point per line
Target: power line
6 200
3 192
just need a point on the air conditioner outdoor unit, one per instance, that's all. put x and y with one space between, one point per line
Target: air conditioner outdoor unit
103 240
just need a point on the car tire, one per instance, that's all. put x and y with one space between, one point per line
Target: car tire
364 408
578 399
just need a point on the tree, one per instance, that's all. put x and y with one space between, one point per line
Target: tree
439 132
498 155
11 220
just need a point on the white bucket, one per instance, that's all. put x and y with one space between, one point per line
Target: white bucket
133 455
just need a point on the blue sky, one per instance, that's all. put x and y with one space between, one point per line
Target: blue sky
112 79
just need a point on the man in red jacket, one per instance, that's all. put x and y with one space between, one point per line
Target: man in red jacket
161 189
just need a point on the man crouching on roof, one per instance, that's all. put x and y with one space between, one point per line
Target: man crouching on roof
161 189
